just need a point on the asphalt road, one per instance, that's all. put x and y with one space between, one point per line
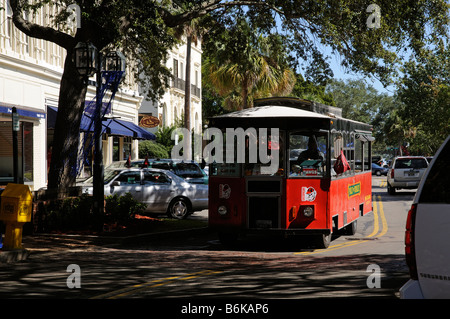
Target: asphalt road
368 265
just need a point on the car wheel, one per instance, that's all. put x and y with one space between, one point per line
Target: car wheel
390 189
378 173
178 208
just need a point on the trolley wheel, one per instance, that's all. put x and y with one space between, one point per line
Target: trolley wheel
350 230
322 241
178 208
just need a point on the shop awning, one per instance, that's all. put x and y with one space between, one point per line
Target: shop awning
21 110
110 126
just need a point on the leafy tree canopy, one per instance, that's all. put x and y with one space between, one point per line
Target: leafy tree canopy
425 93
362 102
144 29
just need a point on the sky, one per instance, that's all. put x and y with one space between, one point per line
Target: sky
341 74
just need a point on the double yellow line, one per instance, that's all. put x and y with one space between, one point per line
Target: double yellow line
377 214
376 226
152 284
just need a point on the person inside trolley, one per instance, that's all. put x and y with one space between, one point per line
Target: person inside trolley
312 153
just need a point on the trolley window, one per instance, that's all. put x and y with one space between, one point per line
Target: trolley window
307 154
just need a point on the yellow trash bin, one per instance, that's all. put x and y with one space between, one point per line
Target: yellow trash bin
15 210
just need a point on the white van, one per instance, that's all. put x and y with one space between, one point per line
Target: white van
427 237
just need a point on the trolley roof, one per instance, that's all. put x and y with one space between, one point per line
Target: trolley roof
288 113
272 111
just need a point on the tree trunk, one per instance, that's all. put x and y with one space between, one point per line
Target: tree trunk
187 98
245 96
63 166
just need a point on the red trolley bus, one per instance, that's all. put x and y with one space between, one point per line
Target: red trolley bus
309 192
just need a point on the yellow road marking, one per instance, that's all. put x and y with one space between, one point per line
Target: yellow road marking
383 218
154 283
376 229
331 248
375 220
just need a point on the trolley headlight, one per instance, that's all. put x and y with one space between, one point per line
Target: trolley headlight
222 210
308 211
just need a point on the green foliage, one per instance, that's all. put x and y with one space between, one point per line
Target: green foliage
164 137
425 93
152 150
122 208
144 30
75 213
363 103
72 213
246 65
308 90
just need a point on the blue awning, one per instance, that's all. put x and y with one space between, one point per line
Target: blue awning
21 110
110 126
139 132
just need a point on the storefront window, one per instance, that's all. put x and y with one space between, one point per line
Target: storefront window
116 147
126 147
25 152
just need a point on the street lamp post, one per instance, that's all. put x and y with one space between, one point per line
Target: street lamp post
88 62
98 187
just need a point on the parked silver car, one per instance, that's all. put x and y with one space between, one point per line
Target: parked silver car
406 172
161 190
189 170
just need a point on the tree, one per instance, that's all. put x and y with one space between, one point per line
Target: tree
144 30
104 24
244 66
363 103
193 32
425 93
308 90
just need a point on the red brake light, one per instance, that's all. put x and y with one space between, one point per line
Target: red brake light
392 173
410 252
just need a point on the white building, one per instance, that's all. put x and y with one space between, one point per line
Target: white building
171 107
30 75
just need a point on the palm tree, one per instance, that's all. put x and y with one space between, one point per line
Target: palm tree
193 32
258 74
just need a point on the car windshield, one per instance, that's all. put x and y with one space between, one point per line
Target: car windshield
188 170
415 163
109 174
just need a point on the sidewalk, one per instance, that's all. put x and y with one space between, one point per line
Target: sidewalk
55 242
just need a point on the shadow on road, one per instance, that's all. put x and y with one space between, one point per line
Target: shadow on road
237 275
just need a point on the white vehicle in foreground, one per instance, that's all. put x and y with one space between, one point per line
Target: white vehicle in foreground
427 237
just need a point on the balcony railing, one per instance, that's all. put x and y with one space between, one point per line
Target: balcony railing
181 85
